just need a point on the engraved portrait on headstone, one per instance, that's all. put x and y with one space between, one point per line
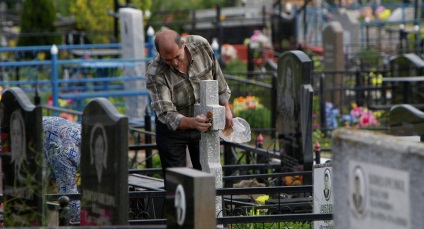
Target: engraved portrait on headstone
358 196
18 143
98 147
327 184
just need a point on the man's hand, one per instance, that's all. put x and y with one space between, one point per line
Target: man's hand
200 122
228 117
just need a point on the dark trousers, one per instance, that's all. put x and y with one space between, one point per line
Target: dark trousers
172 147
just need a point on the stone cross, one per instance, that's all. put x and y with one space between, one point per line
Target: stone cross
209 144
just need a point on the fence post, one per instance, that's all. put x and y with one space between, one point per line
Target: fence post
148 138
150 42
360 95
54 77
64 211
323 115
317 153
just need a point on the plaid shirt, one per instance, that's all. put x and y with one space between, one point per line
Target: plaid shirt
174 93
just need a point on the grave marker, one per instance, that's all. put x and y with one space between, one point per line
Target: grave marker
323 193
132 36
210 142
404 65
406 120
350 24
377 180
24 173
104 165
190 199
294 107
333 59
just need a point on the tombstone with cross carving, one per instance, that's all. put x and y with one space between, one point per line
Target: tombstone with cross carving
209 143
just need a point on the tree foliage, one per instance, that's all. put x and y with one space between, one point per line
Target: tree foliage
37 18
92 17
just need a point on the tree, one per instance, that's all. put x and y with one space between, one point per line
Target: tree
37 20
92 17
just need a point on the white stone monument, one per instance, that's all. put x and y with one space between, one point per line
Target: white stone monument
323 193
209 144
377 180
132 39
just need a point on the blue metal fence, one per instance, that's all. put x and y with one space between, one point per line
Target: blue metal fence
44 75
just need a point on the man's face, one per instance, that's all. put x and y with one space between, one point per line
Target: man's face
173 57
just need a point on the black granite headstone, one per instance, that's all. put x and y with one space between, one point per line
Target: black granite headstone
294 71
190 199
104 165
406 120
24 187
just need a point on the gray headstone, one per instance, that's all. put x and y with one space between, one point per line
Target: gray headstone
406 120
323 193
294 71
377 180
132 40
104 165
351 27
23 162
190 199
333 58
210 157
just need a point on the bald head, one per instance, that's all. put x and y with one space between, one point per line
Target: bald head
166 39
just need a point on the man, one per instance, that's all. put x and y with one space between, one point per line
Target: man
173 80
62 144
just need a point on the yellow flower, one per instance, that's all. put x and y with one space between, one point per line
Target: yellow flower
263 198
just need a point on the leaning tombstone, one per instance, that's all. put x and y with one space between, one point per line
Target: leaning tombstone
24 187
377 180
190 199
294 103
104 165
323 194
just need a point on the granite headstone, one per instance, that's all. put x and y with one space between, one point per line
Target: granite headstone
24 174
294 74
132 36
104 165
323 194
333 59
190 199
377 180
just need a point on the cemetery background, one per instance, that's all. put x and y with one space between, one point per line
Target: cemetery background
255 87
